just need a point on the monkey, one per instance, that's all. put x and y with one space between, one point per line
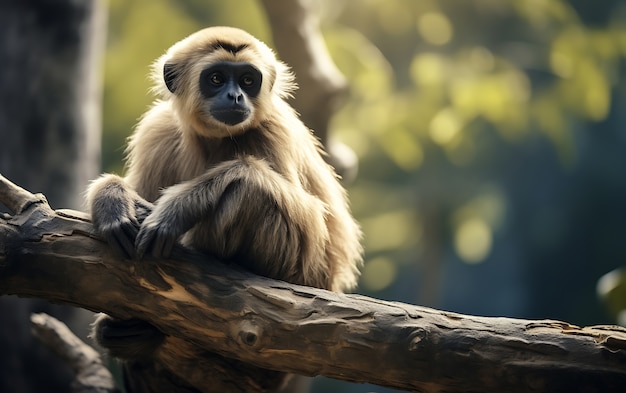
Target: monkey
222 164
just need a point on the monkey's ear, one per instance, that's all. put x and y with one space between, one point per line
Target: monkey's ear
170 74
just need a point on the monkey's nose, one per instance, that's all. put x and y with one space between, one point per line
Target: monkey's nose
235 97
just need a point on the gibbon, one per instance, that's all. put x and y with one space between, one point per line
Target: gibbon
222 164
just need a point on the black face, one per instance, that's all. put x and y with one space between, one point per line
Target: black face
229 87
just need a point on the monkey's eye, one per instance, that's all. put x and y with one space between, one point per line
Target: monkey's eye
247 80
216 78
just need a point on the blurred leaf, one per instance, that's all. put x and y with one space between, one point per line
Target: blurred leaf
378 273
612 290
390 230
473 238
403 148
435 28
428 70
370 75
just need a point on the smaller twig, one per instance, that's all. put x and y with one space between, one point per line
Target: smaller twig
17 199
91 374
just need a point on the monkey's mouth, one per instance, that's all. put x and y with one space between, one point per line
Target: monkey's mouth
231 117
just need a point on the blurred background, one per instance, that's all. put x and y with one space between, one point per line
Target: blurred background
491 138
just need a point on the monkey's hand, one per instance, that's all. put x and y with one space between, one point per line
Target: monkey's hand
126 338
170 219
143 209
117 212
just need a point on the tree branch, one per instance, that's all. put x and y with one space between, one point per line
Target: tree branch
91 375
207 305
298 38
15 198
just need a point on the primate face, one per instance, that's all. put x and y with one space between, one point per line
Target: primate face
230 89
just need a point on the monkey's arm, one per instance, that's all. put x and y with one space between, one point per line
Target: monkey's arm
117 212
244 207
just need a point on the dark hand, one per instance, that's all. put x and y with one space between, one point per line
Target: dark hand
157 236
120 233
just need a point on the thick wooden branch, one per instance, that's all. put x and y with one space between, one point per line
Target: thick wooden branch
205 304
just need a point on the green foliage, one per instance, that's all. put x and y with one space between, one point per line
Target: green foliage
426 77
456 81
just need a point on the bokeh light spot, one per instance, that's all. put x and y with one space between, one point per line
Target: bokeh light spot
435 28
444 126
472 240
378 274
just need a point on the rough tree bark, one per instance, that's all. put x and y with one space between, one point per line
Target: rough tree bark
203 303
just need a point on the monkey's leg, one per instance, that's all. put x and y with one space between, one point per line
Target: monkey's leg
126 339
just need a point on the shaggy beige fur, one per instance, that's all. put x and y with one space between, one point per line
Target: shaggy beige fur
258 193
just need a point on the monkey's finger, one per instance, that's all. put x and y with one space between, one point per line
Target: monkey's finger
142 211
163 245
126 243
157 246
127 237
113 233
167 248
130 230
144 240
117 243
133 222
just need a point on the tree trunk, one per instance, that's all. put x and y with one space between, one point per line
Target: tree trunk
50 133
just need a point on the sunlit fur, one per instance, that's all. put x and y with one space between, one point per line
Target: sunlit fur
258 193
